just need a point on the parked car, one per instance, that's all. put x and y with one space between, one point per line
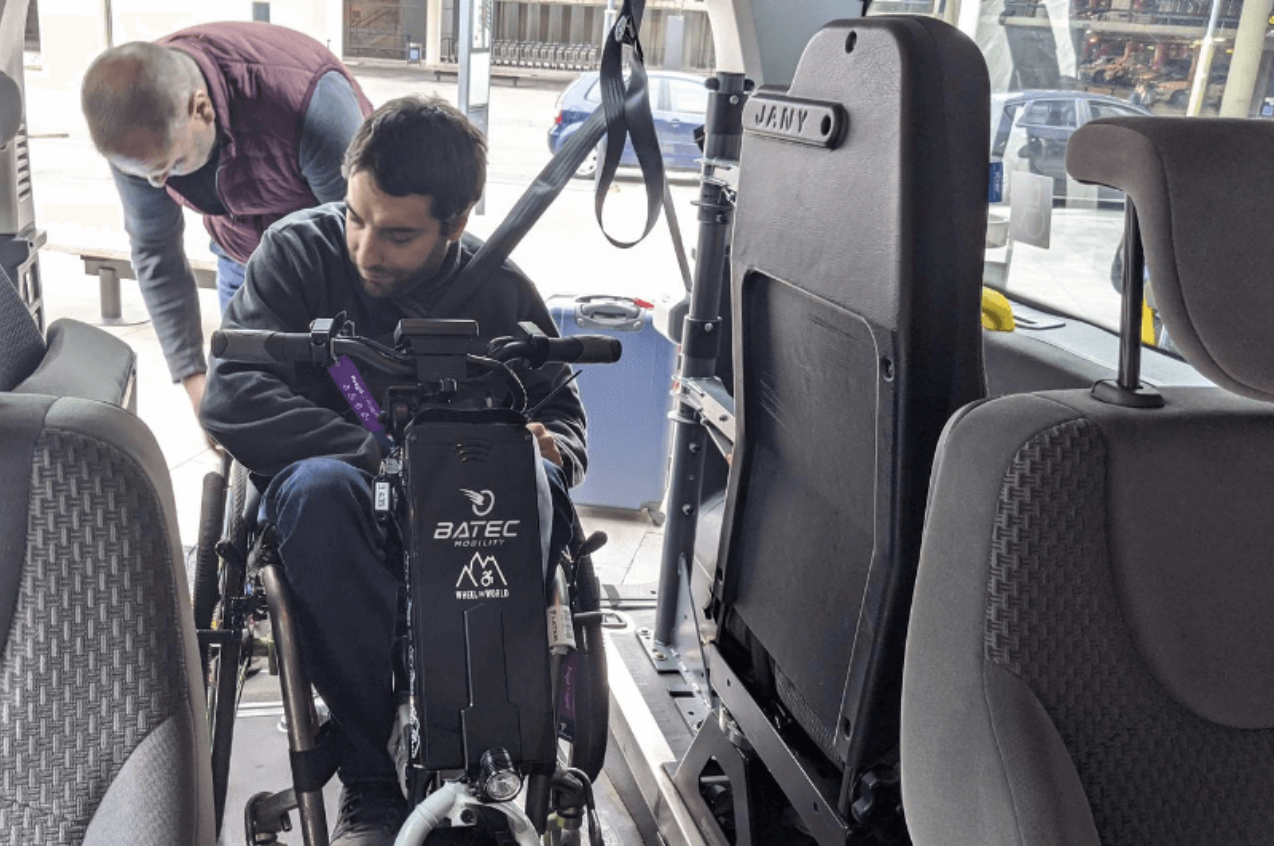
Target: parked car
678 103
1044 122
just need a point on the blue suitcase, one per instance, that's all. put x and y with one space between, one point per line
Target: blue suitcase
627 404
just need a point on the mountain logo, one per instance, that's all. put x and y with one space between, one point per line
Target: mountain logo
483 501
482 578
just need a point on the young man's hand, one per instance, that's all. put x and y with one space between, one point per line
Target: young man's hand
548 444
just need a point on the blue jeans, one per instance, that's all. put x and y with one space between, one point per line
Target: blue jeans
346 596
229 275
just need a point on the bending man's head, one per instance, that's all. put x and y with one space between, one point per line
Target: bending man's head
415 169
148 111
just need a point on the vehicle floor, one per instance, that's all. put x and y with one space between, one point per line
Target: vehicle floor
259 759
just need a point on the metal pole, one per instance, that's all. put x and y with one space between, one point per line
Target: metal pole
608 19
108 284
700 342
298 705
1203 67
1134 291
1245 64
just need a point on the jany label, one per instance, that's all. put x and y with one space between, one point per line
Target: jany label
382 496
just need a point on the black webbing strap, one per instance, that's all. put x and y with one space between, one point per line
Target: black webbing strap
628 114
674 229
622 114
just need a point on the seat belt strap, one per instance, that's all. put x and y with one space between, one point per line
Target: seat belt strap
674 230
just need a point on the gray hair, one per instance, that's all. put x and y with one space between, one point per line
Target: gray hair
138 86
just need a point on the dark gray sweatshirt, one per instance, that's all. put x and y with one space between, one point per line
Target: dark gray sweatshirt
269 416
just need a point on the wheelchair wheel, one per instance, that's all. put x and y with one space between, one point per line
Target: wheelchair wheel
236 521
592 710
228 662
204 589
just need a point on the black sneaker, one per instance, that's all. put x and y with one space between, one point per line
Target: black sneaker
371 814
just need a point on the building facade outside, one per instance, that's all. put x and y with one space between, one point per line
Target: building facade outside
675 33
1197 57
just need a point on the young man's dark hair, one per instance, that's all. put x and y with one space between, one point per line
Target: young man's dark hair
422 145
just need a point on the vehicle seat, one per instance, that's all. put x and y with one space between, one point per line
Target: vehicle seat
1091 651
75 359
856 286
103 728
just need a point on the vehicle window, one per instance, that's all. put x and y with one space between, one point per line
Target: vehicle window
1205 58
688 97
1001 126
1059 113
594 94
1110 110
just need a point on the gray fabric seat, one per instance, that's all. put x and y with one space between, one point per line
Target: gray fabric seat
101 706
74 359
102 732
1091 652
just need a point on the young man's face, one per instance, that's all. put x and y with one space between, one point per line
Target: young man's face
395 242
150 156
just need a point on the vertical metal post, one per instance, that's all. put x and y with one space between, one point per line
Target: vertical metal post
108 15
297 702
1203 65
108 285
700 341
608 19
473 77
1134 293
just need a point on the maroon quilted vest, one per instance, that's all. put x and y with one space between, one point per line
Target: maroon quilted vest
260 79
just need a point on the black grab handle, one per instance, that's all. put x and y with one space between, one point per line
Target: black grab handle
585 349
258 347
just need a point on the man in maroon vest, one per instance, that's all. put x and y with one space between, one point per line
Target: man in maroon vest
243 122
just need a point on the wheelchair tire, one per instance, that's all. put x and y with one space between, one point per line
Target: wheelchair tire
228 664
236 523
588 752
205 590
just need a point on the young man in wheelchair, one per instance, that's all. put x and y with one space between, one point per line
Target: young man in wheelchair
392 250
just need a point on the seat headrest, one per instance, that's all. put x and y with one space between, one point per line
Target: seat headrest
1204 194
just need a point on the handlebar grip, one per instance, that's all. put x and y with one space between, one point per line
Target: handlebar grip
257 347
585 349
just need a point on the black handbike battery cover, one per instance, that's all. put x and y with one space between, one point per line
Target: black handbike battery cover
475 571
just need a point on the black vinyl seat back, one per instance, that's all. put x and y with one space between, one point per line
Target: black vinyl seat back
1090 652
856 284
102 724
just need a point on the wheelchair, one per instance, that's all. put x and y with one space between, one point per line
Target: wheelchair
541 724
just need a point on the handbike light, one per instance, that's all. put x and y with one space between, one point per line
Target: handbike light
498 780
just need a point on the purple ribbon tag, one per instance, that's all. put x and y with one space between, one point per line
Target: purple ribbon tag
346 376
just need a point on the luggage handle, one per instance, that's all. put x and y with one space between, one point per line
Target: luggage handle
615 313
